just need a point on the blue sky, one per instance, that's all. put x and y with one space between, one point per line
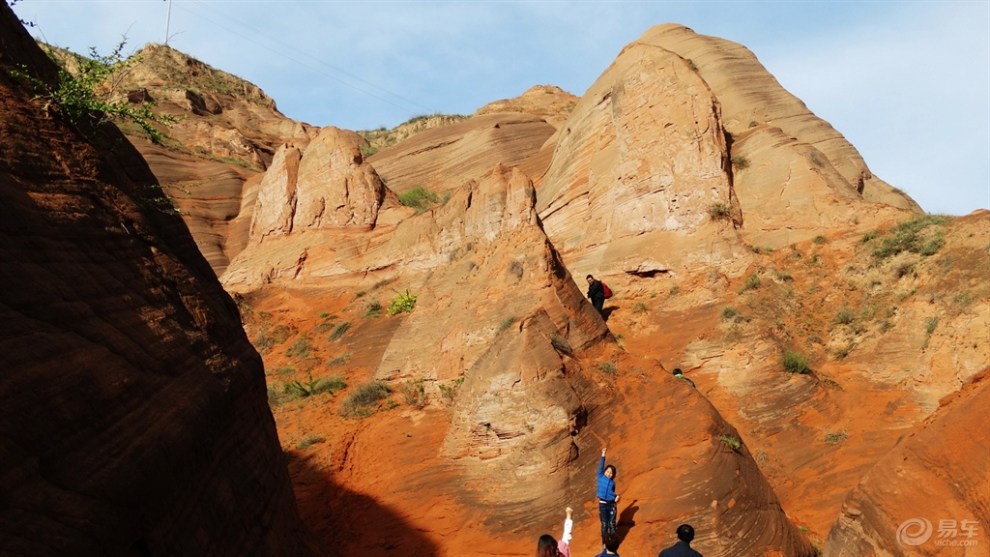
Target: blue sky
908 83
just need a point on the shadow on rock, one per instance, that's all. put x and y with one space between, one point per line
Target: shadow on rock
625 521
607 312
344 522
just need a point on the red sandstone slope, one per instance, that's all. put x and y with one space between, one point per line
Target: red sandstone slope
895 509
134 418
507 357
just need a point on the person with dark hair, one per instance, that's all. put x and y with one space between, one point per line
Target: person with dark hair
608 499
596 293
547 546
611 546
685 533
680 375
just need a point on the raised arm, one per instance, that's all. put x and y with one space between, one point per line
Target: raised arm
601 463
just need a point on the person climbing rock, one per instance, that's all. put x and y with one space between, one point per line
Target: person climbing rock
547 546
680 375
596 293
685 533
608 499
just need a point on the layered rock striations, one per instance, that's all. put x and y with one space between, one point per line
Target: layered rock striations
227 130
499 318
929 495
135 420
686 141
442 159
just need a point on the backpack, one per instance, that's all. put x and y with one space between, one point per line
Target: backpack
607 291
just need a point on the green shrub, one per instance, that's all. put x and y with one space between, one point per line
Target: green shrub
360 402
374 309
930 325
309 441
340 360
326 322
404 302
506 323
449 392
268 338
732 442
340 330
844 317
419 198
300 348
795 362
836 437
85 97
607 367
752 283
310 387
729 312
414 393
639 308
719 211
912 236
819 239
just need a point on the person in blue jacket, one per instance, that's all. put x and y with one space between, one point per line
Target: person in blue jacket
608 499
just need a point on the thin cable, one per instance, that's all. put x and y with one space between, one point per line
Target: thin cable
311 57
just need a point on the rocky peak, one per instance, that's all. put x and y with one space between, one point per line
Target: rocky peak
673 145
325 186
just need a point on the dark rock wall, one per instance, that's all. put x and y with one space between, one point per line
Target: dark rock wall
134 416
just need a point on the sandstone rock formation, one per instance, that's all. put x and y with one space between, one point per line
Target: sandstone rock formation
893 510
549 102
442 159
686 141
227 130
135 419
525 404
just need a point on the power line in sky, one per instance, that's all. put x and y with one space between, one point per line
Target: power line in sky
335 73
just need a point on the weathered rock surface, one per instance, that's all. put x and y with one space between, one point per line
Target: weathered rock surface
929 495
441 159
227 130
549 102
327 187
522 433
680 125
134 415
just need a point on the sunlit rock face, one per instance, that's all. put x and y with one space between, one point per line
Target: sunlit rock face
687 141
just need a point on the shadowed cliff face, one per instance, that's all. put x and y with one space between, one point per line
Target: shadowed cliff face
134 415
